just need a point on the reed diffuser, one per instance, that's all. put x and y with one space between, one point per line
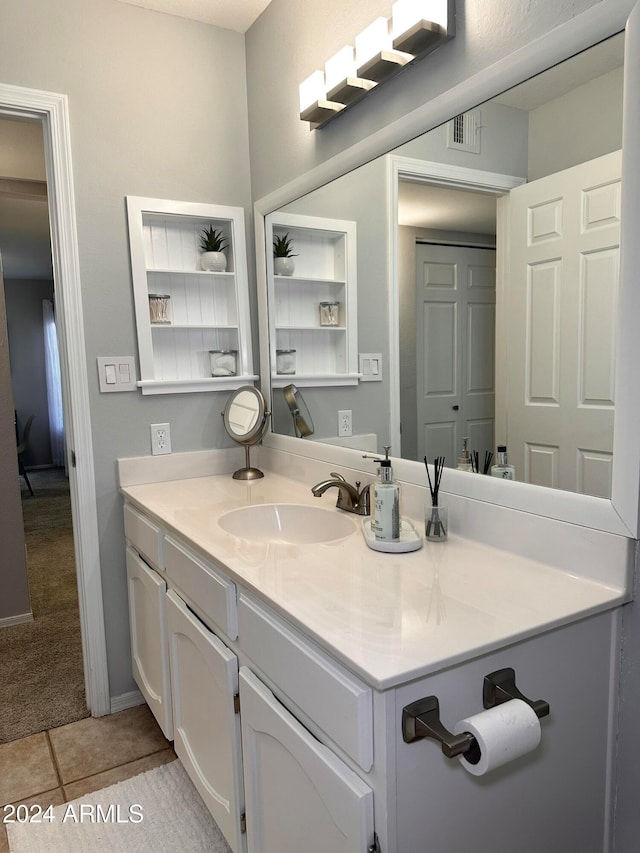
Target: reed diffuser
435 518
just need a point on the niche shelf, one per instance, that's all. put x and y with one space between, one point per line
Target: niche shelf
325 271
206 310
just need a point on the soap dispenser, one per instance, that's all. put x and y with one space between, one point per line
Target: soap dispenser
502 468
385 506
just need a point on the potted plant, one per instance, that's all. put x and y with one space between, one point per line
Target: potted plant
213 243
283 263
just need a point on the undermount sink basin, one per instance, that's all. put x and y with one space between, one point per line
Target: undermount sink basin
289 524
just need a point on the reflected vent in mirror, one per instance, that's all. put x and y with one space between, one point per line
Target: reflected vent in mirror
463 132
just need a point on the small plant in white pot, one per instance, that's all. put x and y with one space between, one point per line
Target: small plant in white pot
213 244
283 263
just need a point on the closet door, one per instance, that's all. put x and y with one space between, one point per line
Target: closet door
150 660
204 675
299 795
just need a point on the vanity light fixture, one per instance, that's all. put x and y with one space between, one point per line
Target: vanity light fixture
381 50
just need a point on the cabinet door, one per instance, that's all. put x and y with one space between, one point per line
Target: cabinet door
204 676
300 796
150 659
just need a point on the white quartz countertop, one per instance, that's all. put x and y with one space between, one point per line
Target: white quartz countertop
390 618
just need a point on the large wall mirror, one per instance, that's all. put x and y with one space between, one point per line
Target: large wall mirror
489 299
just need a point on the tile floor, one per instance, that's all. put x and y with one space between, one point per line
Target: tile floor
61 764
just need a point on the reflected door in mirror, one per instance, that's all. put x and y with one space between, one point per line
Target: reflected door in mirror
560 322
455 316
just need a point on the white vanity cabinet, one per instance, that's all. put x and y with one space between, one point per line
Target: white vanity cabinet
325 341
182 311
187 674
183 626
556 799
288 743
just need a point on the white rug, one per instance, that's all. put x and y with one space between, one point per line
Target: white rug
156 812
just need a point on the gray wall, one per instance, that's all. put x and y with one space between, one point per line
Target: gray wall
14 586
157 108
26 350
579 126
282 147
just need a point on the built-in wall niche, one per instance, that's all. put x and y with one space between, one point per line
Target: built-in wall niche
314 306
184 312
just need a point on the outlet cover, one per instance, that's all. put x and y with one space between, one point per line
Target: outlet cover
345 422
160 439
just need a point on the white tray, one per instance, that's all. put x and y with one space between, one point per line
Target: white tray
410 539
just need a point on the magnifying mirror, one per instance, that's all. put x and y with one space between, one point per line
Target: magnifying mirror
302 422
245 418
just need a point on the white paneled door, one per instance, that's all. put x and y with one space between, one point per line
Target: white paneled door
455 316
560 319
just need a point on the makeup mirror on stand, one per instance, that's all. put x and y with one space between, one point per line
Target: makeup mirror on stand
245 419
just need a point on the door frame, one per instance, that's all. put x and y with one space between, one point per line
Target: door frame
437 174
52 110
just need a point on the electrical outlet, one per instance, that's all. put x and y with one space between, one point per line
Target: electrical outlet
345 422
160 439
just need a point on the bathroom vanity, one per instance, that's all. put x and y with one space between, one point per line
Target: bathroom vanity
281 671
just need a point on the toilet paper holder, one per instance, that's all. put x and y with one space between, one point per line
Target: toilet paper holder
500 686
421 719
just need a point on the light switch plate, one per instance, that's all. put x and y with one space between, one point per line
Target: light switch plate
370 367
116 373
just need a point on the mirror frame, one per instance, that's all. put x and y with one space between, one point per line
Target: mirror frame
620 515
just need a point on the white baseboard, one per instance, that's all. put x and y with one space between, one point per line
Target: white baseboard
126 700
16 620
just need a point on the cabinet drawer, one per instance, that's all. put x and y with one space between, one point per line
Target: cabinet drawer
340 704
207 591
144 535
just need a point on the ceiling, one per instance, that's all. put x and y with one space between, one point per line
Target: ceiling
235 15
423 206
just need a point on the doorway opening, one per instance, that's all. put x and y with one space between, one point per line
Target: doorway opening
462 205
41 659
51 110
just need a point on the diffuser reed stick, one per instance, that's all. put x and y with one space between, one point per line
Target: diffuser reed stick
434 525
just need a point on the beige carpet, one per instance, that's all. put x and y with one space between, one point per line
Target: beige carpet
41 674
156 812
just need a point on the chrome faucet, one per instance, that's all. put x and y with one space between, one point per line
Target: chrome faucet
350 498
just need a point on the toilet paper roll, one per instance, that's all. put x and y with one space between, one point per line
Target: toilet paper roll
503 733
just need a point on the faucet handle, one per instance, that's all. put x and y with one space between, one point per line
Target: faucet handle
338 476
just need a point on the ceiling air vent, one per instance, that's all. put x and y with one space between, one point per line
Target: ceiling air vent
463 132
